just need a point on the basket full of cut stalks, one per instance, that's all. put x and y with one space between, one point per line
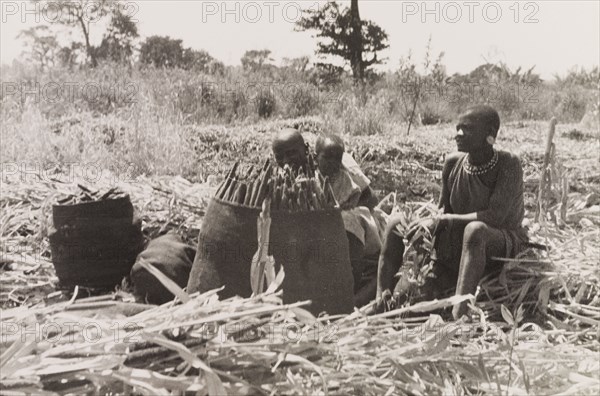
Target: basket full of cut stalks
307 237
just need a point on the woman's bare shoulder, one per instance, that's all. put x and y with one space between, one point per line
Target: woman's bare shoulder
509 159
453 158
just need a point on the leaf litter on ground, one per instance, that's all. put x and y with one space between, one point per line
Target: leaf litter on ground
198 343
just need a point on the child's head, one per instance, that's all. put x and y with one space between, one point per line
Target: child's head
289 149
329 150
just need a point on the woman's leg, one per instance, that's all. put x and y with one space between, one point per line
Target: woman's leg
368 282
480 242
356 252
390 258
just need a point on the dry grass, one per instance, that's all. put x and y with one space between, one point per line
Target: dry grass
356 354
152 147
149 143
553 349
259 346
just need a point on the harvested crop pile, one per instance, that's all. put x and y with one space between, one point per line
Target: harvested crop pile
260 346
288 190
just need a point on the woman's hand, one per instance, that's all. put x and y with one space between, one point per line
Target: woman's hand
429 224
459 310
384 302
347 206
443 222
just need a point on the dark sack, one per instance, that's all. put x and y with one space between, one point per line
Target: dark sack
171 256
312 246
93 245
226 244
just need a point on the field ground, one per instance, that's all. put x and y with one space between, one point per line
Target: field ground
173 174
145 144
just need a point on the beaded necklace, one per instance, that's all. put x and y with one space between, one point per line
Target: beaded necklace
480 169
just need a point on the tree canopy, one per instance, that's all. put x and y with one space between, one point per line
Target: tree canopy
341 33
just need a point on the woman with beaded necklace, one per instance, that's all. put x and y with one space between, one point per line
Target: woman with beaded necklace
482 202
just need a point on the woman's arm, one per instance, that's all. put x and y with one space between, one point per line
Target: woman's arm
368 198
449 164
507 197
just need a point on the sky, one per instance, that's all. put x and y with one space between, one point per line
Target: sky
551 35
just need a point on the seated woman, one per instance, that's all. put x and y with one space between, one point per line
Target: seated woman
482 201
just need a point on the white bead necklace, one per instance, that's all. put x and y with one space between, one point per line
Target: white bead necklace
480 169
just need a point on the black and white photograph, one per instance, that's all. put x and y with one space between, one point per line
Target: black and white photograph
299 197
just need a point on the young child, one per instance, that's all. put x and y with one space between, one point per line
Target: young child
352 190
330 152
289 149
350 185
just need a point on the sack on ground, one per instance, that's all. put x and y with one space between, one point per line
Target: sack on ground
171 256
312 246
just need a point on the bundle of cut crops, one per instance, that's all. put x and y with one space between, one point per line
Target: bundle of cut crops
288 190
87 195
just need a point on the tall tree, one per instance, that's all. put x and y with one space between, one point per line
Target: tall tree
201 61
79 14
167 52
255 59
342 33
117 43
162 51
41 45
297 64
356 49
68 55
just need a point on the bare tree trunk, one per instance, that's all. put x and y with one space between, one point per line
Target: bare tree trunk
356 60
88 46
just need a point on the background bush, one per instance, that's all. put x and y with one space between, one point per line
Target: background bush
232 94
